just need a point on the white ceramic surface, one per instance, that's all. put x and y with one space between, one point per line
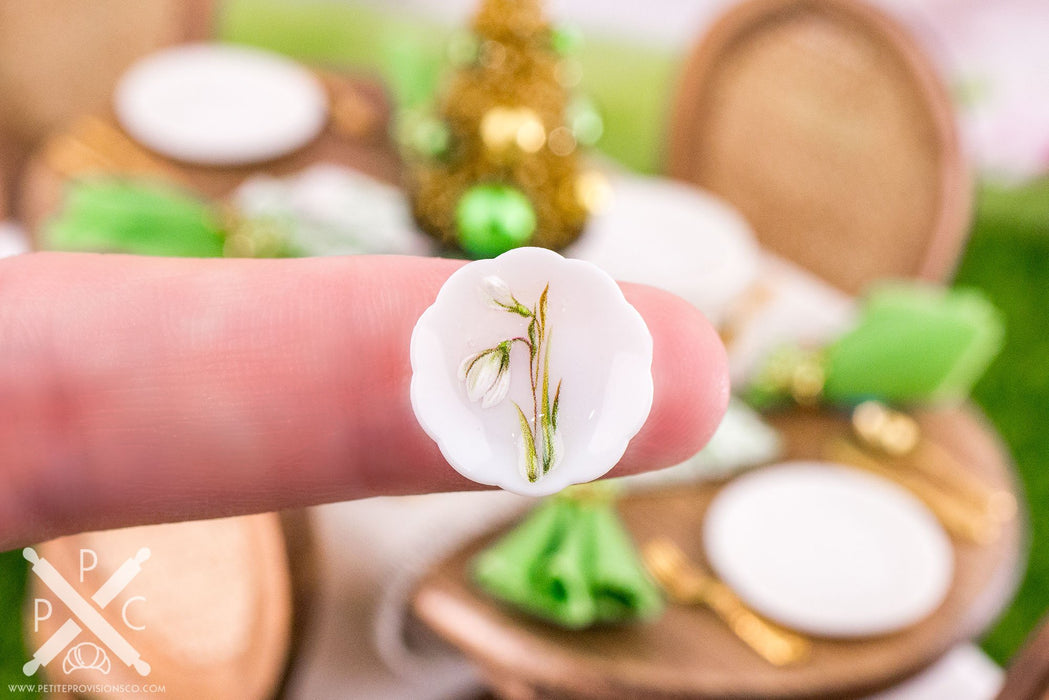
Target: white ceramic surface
13 240
217 104
673 236
599 351
742 441
828 550
788 305
330 209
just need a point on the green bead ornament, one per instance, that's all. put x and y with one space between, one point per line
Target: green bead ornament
424 134
566 40
492 219
585 121
432 137
463 49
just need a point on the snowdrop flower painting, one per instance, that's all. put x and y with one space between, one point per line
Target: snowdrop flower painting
531 372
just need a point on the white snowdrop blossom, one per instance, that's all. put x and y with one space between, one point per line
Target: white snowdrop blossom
487 375
500 297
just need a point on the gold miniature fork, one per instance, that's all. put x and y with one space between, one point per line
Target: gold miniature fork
958 517
896 435
684 582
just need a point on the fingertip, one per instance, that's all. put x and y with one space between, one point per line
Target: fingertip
690 372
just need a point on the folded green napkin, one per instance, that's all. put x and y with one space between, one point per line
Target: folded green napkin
913 343
112 214
108 214
570 562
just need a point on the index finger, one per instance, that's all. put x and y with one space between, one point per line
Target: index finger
139 390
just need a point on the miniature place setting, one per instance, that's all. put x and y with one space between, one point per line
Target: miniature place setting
799 171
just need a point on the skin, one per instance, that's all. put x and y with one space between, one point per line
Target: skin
144 390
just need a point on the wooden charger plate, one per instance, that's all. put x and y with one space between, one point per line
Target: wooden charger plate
688 652
824 124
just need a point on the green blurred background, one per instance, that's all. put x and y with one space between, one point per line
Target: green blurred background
632 85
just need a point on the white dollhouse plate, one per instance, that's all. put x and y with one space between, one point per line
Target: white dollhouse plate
483 352
828 550
214 104
673 236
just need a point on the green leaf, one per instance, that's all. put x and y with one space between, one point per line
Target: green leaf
548 445
557 403
531 458
545 419
542 307
533 342
545 397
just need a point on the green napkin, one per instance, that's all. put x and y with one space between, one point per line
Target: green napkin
913 343
110 214
128 215
570 562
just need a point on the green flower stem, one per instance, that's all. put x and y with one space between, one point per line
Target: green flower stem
544 417
540 432
541 427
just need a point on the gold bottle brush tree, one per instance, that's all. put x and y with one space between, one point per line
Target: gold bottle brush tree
496 164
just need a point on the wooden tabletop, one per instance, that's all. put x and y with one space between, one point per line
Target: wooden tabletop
689 652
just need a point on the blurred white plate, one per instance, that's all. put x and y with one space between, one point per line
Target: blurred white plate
673 236
215 104
13 240
828 550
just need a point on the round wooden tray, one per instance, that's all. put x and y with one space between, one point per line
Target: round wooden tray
827 128
690 653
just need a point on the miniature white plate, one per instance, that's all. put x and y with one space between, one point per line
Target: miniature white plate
829 550
673 236
329 209
216 104
13 240
477 389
